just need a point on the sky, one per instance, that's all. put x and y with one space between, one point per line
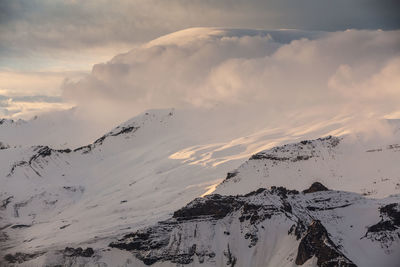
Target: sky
50 50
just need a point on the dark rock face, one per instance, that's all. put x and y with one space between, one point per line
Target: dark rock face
162 243
3 146
20 257
231 258
301 151
144 243
230 175
117 131
199 230
317 243
175 240
388 229
390 219
78 252
268 156
41 152
120 130
5 202
19 226
215 206
2 121
315 187
283 192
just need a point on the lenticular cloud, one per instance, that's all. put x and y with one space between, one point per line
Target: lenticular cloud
281 72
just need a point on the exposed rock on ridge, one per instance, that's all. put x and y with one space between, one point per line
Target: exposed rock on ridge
181 239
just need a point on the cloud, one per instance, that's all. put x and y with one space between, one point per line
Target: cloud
71 35
51 28
278 74
14 83
26 94
28 106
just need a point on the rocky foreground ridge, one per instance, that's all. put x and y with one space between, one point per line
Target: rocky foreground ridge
208 230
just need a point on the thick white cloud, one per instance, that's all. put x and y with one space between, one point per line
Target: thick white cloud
278 73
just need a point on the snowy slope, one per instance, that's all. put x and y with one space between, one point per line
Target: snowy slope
276 227
143 170
61 129
342 163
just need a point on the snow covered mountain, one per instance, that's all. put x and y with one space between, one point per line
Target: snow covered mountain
60 129
276 227
252 168
97 196
340 163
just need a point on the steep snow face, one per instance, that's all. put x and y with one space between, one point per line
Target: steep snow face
342 163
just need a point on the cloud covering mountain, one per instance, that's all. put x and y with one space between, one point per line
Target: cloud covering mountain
279 74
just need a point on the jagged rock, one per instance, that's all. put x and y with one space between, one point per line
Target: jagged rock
231 258
230 175
305 150
317 243
169 241
162 243
390 219
117 131
40 152
283 192
20 257
3 121
189 234
214 206
315 187
5 202
18 226
3 146
388 229
78 252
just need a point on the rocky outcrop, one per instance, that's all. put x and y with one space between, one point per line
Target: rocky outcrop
182 238
78 252
167 241
317 243
387 230
212 207
4 146
39 155
315 187
120 130
20 257
301 151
